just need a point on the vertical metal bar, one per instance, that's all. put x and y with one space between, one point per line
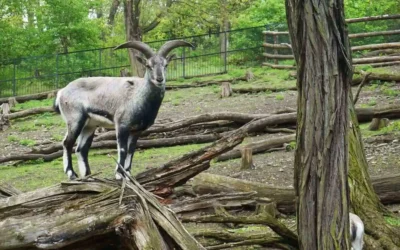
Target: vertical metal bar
57 71
100 61
226 52
183 62
14 89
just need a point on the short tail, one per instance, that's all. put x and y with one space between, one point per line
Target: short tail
56 103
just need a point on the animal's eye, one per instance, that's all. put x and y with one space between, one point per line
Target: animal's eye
148 66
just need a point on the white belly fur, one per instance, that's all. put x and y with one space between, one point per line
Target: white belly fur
100 121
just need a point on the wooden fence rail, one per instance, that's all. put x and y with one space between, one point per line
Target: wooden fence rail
374 61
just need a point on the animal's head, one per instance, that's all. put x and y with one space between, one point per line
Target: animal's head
155 62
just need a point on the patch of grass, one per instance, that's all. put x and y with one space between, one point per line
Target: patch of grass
27 142
33 104
392 128
372 102
393 221
37 174
57 137
279 97
12 138
391 92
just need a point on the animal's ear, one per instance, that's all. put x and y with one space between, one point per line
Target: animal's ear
141 60
170 57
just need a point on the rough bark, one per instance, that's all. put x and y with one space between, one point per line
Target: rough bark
64 215
264 218
322 52
133 33
247 158
377 76
235 239
364 201
226 89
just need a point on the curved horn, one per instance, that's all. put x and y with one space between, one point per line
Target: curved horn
168 46
142 47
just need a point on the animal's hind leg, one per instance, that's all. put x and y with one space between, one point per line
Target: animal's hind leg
82 150
123 133
68 144
132 141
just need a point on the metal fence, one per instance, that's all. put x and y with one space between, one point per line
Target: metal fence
28 75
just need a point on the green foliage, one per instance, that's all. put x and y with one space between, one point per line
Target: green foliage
27 142
12 138
393 221
279 97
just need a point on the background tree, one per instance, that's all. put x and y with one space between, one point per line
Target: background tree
321 48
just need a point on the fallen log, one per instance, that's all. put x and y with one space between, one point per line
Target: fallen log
25 98
199 84
206 183
376 46
171 126
377 59
206 202
257 147
29 112
232 239
387 188
384 64
380 52
69 215
264 219
55 151
262 89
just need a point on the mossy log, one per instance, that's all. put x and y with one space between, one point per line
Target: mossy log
263 218
25 98
29 112
387 189
230 239
69 215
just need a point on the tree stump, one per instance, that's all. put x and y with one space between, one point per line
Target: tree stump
249 75
124 73
51 95
378 123
226 89
4 111
247 158
12 102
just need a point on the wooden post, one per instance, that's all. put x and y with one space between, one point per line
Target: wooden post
5 108
378 123
247 158
226 89
276 61
12 102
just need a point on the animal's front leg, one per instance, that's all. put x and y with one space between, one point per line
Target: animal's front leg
123 135
132 141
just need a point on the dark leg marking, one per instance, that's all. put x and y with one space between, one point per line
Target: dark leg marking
123 133
82 150
73 132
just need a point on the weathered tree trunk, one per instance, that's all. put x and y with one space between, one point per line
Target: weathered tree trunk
226 89
133 32
247 158
322 52
364 200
